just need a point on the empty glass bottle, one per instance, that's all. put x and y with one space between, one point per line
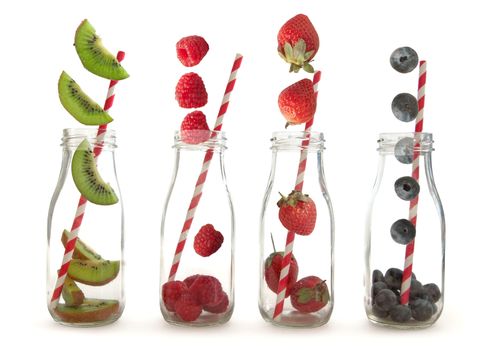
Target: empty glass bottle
405 236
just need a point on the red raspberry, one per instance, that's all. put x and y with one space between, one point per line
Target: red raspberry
187 308
206 290
189 280
207 241
191 49
190 91
194 128
219 307
171 291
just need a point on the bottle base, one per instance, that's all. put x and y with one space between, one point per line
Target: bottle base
296 319
411 324
206 319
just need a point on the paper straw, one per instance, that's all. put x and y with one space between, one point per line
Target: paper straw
413 205
81 207
197 194
288 249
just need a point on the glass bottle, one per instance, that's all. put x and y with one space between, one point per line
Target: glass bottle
197 283
92 292
404 251
308 294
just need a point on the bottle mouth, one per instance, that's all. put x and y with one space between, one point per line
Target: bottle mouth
297 140
102 137
421 142
200 140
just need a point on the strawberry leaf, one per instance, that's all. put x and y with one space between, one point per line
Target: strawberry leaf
309 54
307 67
288 50
299 49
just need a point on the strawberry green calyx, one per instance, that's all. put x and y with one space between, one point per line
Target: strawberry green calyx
297 56
319 293
293 199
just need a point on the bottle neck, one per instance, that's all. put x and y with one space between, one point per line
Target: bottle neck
100 137
214 141
297 141
403 143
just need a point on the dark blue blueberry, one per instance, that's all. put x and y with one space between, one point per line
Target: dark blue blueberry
421 309
393 278
403 231
404 150
385 299
432 291
405 107
435 308
406 188
416 289
400 313
377 276
404 59
379 312
377 287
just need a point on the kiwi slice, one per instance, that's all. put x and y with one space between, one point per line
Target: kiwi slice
78 104
93 273
92 310
71 293
94 56
82 251
87 179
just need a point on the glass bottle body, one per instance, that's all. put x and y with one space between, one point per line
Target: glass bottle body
197 237
308 292
405 236
92 292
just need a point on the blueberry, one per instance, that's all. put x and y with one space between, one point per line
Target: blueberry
385 299
404 59
421 309
404 150
377 287
403 231
406 188
393 278
435 308
400 313
416 290
405 107
432 291
377 276
379 312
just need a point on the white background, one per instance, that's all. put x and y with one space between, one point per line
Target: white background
357 87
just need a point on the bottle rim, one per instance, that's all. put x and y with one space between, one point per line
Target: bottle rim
421 142
72 137
215 140
297 140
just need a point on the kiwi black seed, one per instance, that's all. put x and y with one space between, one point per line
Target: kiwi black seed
87 179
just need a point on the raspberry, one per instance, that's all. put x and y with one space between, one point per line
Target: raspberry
190 91
171 291
187 308
219 307
206 290
194 128
191 49
189 280
207 241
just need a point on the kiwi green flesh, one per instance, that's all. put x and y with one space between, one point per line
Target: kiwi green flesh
93 273
82 250
94 56
87 179
71 293
92 310
80 105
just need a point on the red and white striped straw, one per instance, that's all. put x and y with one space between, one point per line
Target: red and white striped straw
300 178
81 207
413 205
197 194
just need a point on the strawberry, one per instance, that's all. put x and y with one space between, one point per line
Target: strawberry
207 241
190 91
206 290
187 308
220 306
194 128
171 292
297 102
191 49
309 294
272 271
297 43
297 212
